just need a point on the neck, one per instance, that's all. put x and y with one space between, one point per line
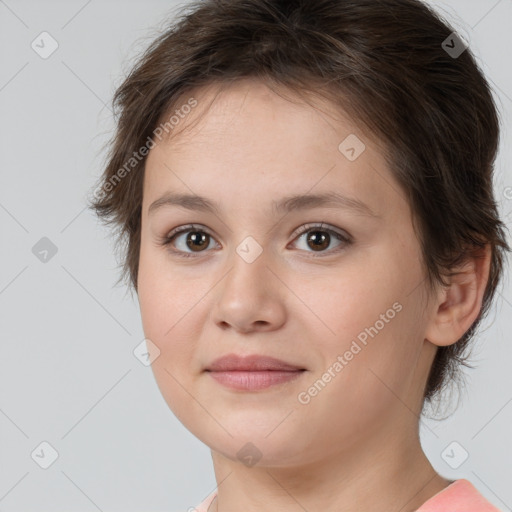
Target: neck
381 475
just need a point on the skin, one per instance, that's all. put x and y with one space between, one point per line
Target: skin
355 445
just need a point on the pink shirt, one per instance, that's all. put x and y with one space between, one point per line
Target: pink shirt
459 496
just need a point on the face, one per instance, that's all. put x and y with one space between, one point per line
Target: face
331 288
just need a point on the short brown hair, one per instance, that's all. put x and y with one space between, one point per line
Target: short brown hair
381 62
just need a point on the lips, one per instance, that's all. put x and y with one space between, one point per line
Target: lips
252 373
252 363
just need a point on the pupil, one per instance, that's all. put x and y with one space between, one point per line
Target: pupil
197 236
318 238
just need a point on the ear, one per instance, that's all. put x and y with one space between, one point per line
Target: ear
459 304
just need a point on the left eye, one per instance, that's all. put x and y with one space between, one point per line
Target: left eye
198 239
320 237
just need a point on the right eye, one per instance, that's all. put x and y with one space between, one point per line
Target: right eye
196 238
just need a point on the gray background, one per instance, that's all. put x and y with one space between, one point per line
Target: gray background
68 375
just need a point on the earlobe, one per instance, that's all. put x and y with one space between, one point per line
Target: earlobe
459 304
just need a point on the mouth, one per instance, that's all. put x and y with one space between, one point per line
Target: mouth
253 381
252 373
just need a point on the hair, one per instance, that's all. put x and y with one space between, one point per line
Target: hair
380 62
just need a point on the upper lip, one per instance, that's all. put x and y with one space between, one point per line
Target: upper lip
251 363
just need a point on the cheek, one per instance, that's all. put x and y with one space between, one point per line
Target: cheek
150 295
374 323
160 308
163 307
170 309
160 297
350 304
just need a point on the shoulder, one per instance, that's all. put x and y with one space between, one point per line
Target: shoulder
203 506
460 496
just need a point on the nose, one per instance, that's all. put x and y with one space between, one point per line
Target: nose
250 297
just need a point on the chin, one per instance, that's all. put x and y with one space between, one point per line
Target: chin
252 447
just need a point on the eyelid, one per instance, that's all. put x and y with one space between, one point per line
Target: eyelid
187 227
320 226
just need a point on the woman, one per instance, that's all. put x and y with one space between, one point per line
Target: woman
305 189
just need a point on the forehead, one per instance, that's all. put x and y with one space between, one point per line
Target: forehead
221 103
246 141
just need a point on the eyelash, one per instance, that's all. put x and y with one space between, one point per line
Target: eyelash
168 239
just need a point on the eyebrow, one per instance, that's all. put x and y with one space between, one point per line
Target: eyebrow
284 205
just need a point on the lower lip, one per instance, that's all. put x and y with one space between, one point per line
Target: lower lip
252 381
